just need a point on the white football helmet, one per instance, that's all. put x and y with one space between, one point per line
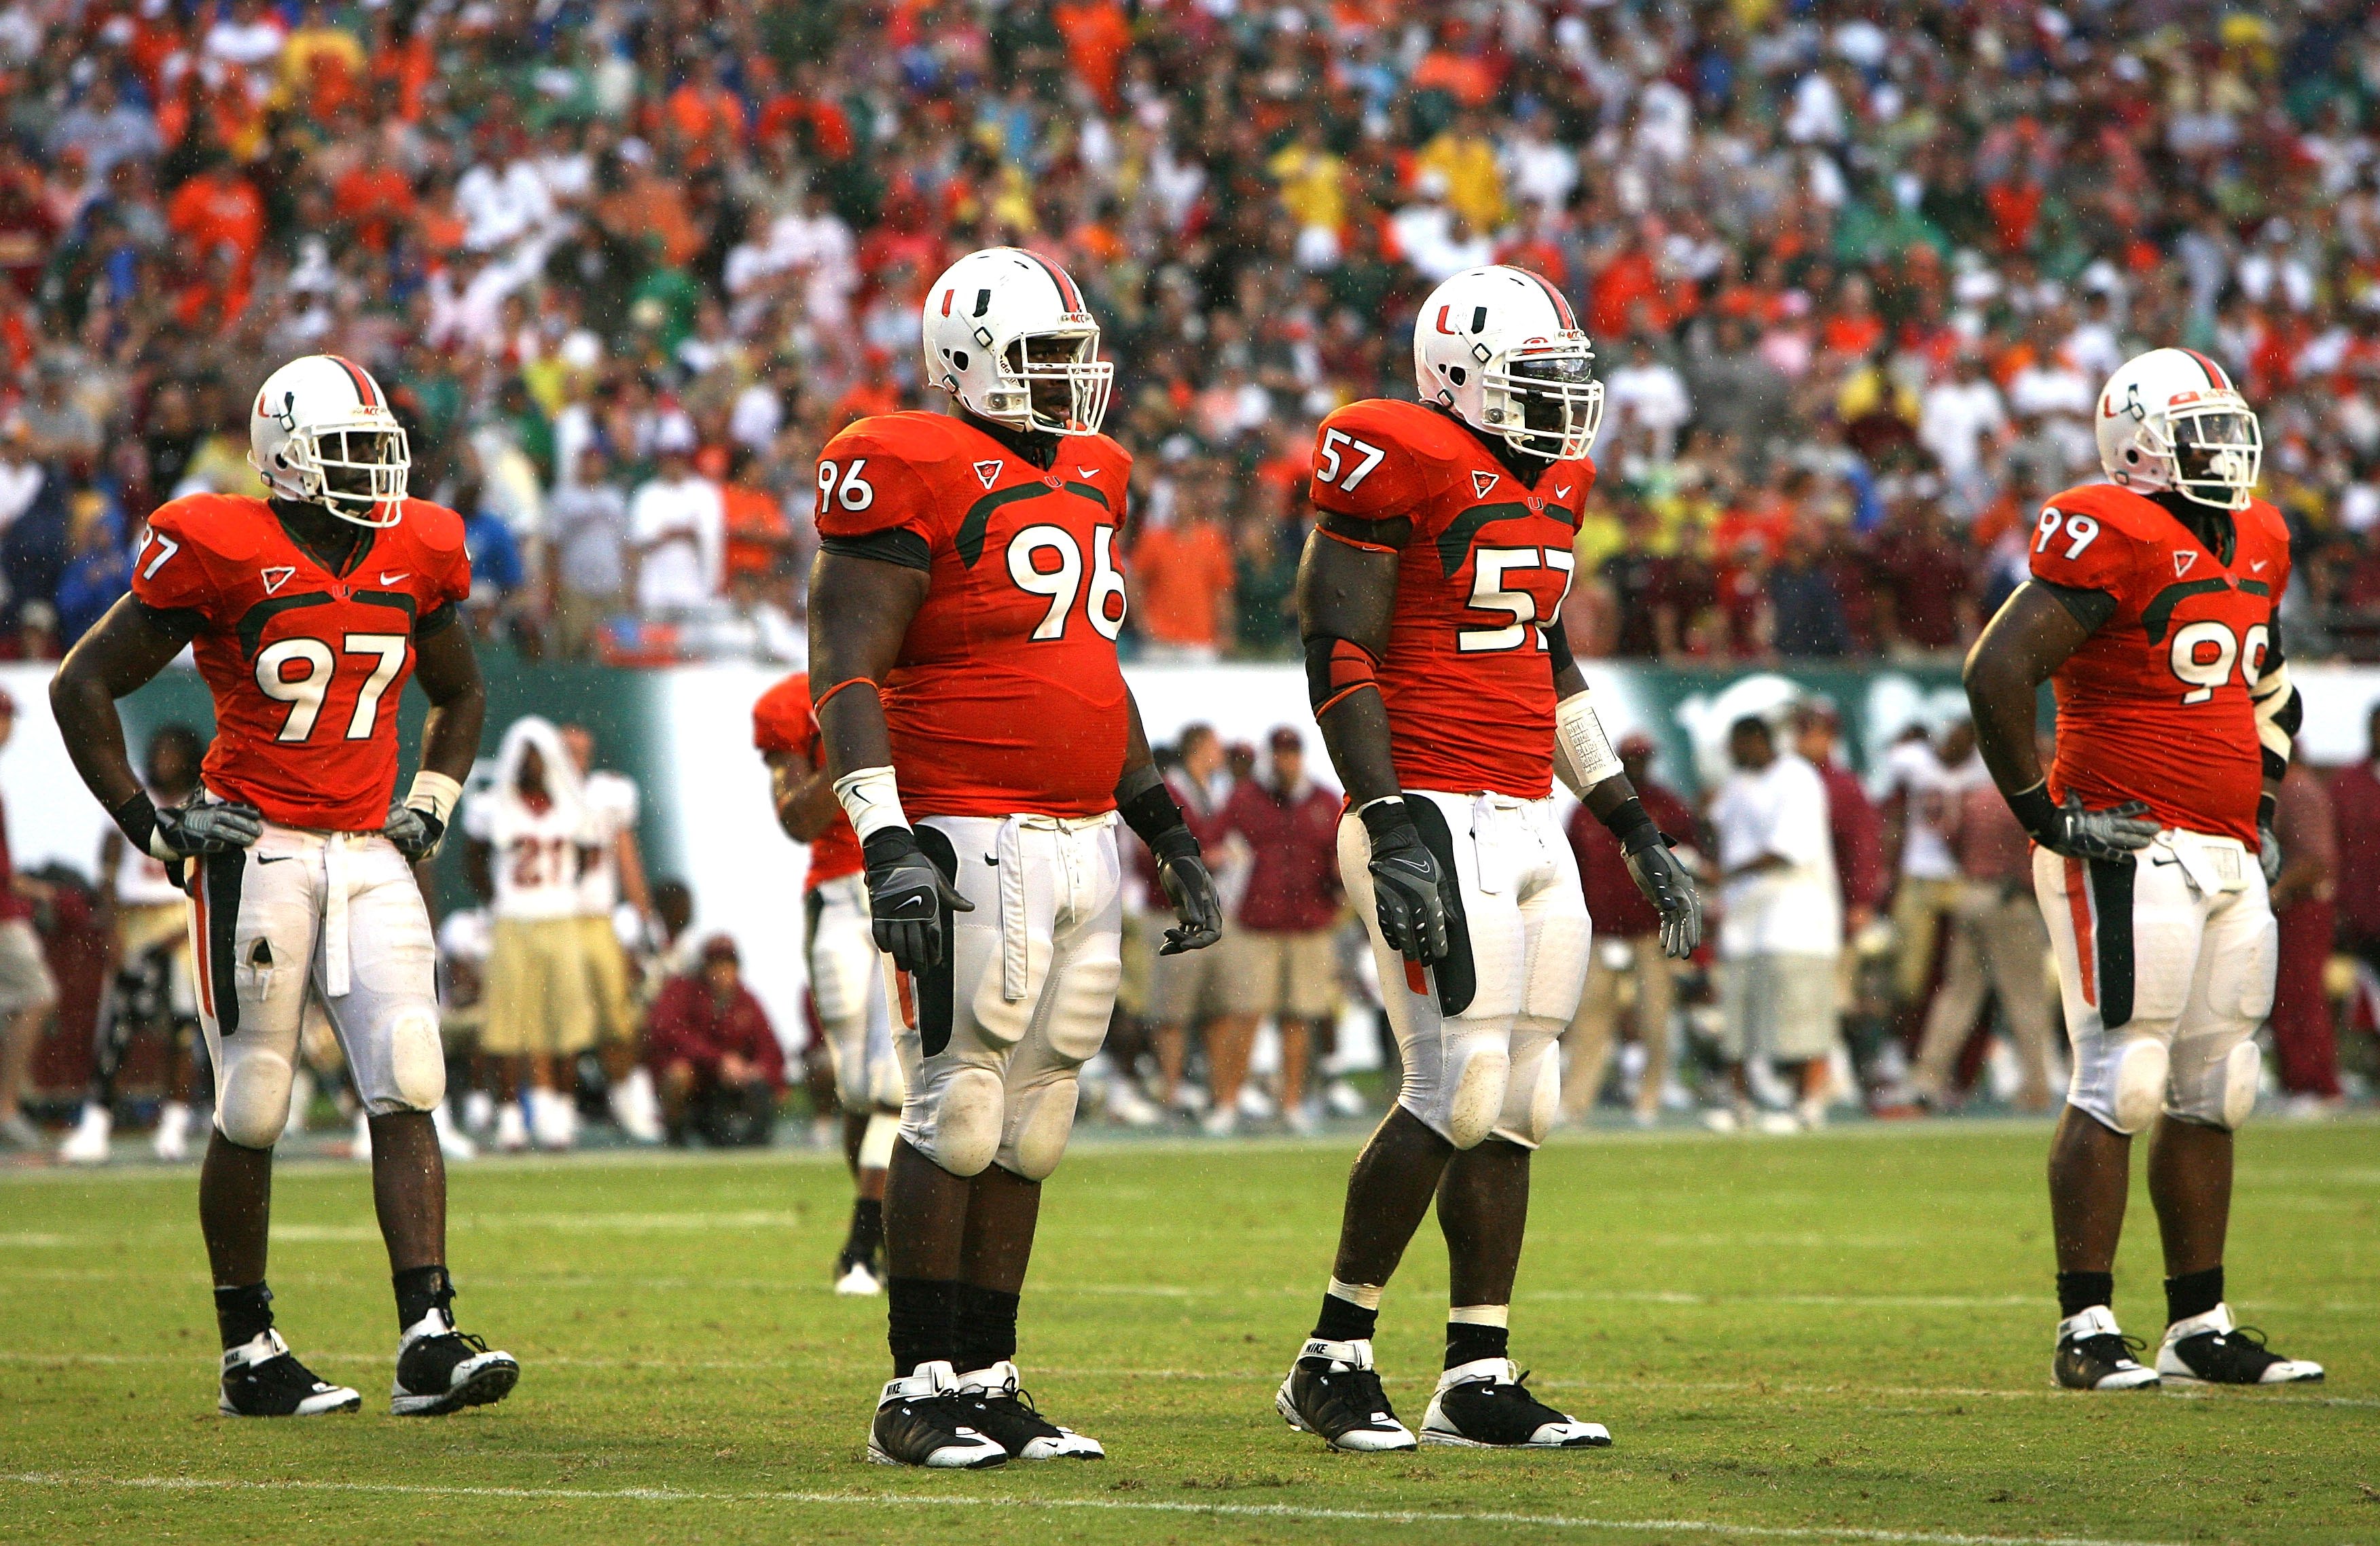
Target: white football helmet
1500 348
320 432
2171 419
1003 320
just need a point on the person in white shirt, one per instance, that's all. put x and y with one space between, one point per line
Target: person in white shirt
614 873
1923 786
678 526
1955 419
1780 927
531 834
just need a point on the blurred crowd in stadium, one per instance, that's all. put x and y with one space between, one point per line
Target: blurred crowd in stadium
625 265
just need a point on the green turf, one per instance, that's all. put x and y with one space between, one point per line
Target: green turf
1833 1333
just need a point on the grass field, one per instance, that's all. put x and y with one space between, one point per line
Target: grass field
1837 1337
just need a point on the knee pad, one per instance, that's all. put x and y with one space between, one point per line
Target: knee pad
2140 1083
2227 1098
1046 1121
417 1066
967 1122
1475 1101
1532 1092
252 1096
875 1141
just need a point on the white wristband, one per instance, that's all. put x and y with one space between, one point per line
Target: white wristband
1583 755
873 800
435 793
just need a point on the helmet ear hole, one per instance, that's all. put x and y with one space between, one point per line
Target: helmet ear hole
1456 374
2131 452
958 358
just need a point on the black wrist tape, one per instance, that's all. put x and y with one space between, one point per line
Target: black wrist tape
1633 824
1157 822
137 818
2266 807
1384 816
2035 812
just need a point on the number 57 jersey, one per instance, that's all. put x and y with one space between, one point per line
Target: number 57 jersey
2154 705
1466 680
306 666
1006 696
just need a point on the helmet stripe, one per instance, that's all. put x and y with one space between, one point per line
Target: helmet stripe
1561 307
1068 297
2215 376
364 394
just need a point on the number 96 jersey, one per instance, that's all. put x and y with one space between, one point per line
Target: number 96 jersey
2154 705
1469 689
1006 696
306 665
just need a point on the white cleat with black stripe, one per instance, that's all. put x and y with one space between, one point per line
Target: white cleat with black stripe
2209 1350
1486 1404
2093 1354
262 1379
440 1370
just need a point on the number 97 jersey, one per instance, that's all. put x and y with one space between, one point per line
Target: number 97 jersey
2154 706
1006 698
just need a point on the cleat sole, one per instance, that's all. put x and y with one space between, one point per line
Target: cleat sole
1456 1441
484 1388
997 1457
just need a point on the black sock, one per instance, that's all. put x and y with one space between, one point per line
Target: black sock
1344 1319
922 1322
986 1327
243 1314
2079 1291
1468 1343
867 1229
420 1290
2193 1294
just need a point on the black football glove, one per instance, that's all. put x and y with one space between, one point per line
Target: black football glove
417 833
1405 885
2268 844
1182 871
905 894
178 833
1666 884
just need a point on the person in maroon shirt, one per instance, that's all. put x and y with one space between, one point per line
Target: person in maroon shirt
1282 948
2355 813
1621 913
1927 576
711 1051
1997 944
28 991
2304 1039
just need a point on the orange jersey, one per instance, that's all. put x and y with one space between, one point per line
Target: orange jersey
1469 688
781 721
306 666
1006 696
2154 704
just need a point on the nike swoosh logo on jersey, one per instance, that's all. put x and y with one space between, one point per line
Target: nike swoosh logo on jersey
989 860
392 580
2258 565
1089 472
1561 491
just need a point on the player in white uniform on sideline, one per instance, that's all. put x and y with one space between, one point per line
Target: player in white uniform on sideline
530 835
306 612
614 873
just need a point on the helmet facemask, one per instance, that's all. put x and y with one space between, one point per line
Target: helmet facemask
2217 451
1052 382
1546 401
357 471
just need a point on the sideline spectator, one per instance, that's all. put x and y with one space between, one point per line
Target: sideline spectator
1921 788
678 528
588 521
2355 814
1625 922
1192 991
1781 925
714 1055
28 991
1282 946
1998 943
1858 840
2304 903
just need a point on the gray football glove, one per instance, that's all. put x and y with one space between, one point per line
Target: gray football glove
905 894
1672 891
2268 844
1405 881
416 833
178 832
2115 832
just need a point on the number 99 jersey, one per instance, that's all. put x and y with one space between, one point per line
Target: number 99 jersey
1469 689
1006 696
2154 706
306 666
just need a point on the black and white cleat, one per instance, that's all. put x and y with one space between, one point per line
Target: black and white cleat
440 1370
1486 1404
924 1421
2094 1354
262 1379
1331 1391
2208 1350
1005 1413
857 1276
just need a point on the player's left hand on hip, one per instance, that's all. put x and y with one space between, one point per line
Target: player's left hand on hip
415 831
1192 890
206 827
2268 854
1666 884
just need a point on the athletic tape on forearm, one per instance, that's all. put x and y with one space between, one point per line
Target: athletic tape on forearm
872 799
1582 755
435 793
2279 713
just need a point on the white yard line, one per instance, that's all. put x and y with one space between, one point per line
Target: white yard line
78 1480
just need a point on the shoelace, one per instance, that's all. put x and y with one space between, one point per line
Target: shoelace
2252 1337
2126 1346
1519 1384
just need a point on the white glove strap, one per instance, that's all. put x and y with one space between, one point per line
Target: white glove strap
435 793
873 800
1583 755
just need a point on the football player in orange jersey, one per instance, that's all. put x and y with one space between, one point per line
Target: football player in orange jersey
306 612
2154 607
964 611
847 988
1429 598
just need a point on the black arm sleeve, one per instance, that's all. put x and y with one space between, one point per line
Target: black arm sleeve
181 624
895 545
2091 608
439 619
1557 646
